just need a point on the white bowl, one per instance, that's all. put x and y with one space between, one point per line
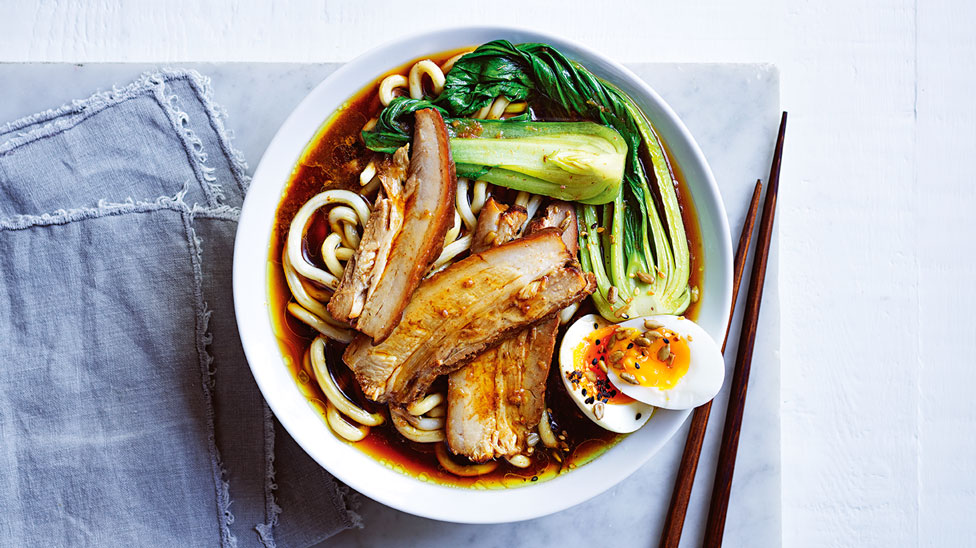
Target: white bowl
359 470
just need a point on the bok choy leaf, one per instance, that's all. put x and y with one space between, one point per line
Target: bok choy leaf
641 258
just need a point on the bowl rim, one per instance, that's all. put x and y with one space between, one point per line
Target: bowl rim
267 363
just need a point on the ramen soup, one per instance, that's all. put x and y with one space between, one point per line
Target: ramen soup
438 236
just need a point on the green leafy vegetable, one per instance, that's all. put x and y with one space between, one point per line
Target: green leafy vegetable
392 129
641 258
575 161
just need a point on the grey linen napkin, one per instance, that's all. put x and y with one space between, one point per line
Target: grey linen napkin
128 415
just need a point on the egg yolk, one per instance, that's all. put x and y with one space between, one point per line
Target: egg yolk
587 375
655 360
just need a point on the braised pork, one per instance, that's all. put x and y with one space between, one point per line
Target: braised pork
497 399
559 215
497 224
396 250
465 309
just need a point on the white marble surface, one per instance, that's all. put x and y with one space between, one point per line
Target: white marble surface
732 110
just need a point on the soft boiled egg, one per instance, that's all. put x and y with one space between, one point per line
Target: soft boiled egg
657 361
582 366
666 361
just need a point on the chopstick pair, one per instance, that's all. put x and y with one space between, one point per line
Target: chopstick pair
718 506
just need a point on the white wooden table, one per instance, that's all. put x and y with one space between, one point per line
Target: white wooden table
876 209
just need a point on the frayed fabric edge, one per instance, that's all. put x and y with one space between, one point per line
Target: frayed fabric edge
204 338
106 208
352 502
347 503
52 121
272 510
217 115
192 144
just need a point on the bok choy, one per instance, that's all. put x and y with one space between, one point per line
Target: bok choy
640 257
575 161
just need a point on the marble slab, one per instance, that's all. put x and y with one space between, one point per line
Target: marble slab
732 110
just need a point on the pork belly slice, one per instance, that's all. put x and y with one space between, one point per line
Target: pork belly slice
396 250
495 401
363 271
466 309
483 396
497 224
561 215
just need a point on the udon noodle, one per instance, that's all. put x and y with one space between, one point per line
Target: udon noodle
346 213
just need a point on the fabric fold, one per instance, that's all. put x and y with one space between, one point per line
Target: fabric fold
128 414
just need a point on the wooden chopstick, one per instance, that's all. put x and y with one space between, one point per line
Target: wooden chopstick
683 484
715 525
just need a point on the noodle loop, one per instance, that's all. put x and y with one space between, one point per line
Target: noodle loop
296 232
346 214
388 85
417 73
459 469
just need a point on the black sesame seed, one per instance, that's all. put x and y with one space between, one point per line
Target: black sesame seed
596 325
584 391
629 346
637 366
535 478
666 341
594 361
589 400
635 418
598 341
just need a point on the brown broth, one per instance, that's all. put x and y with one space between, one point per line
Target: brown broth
334 159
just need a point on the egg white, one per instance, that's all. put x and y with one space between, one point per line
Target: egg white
621 418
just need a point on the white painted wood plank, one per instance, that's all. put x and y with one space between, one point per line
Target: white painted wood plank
849 383
945 262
